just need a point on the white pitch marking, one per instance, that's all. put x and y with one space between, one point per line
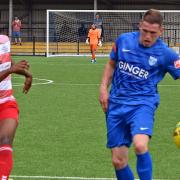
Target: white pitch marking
62 177
59 177
47 81
91 84
75 84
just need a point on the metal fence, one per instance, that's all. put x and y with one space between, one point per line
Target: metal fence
34 42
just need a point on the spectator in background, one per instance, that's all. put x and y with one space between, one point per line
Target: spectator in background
16 26
99 25
82 31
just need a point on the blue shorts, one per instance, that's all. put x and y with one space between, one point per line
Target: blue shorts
16 34
124 121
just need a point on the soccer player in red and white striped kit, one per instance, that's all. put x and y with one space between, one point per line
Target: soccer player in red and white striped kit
8 105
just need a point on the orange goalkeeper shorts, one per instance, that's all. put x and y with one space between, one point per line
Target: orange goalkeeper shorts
9 110
93 47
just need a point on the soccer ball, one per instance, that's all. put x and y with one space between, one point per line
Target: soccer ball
176 135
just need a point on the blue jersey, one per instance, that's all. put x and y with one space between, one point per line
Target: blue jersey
139 69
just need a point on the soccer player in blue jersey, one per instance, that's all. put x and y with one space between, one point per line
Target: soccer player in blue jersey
138 62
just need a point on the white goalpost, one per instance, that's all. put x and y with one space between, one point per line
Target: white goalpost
67 29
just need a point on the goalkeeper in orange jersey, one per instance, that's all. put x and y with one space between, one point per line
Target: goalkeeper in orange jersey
93 40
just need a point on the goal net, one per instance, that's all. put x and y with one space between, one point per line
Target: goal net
67 29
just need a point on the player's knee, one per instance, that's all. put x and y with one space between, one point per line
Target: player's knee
140 147
119 162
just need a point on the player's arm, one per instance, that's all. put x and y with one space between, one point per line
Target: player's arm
19 23
4 74
99 39
177 66
105 82
99 42
27 83
21 68
88 38
172 63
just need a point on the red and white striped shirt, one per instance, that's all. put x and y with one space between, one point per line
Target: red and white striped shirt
6 92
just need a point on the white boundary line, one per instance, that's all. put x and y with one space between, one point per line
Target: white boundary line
86 84
62 64
47 81
75 84
62 177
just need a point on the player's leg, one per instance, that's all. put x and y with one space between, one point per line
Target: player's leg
144 161
120 163
119 139
142 127
8 125
7 132
93 51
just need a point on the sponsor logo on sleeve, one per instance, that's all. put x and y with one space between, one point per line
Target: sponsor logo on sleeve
177 64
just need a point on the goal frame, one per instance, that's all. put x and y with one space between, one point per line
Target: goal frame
93 11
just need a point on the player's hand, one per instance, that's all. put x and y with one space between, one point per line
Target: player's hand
27 84
103 98
87 41
19 67
100 44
